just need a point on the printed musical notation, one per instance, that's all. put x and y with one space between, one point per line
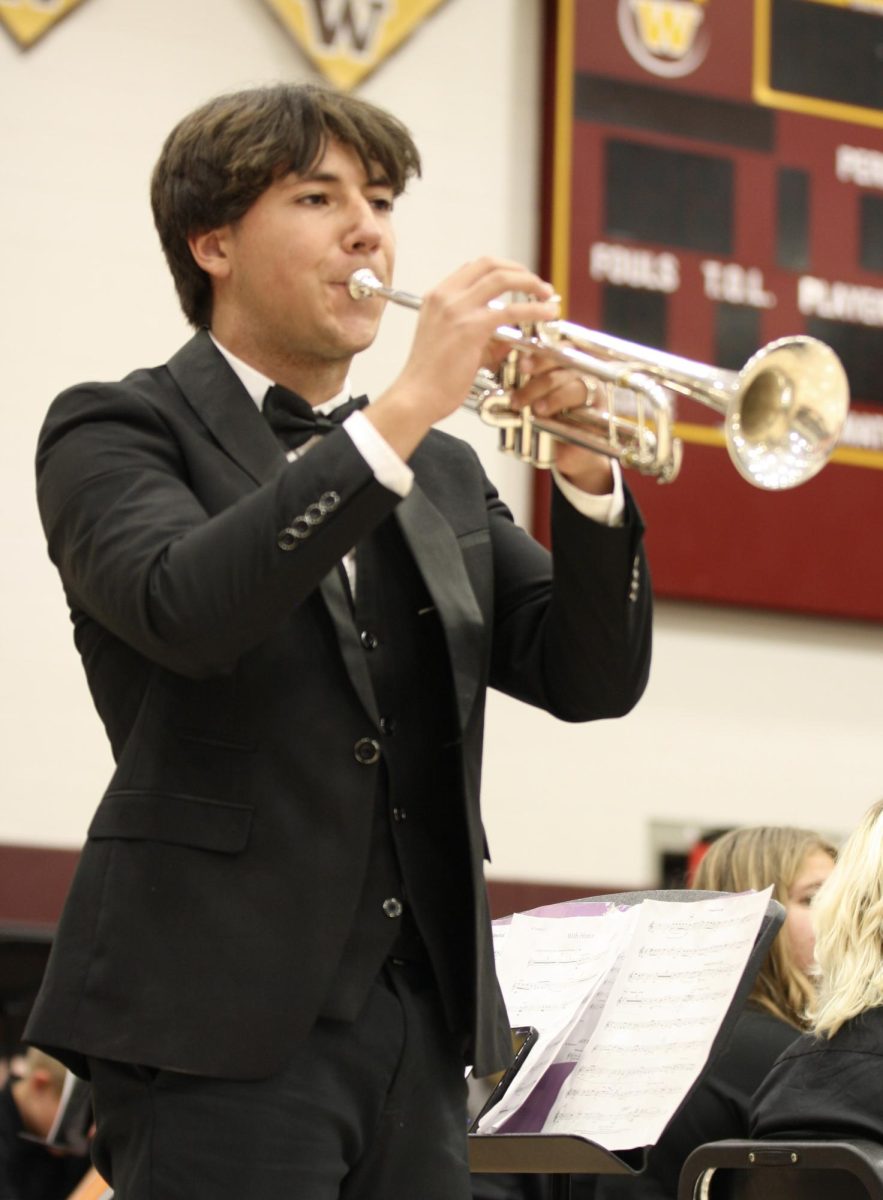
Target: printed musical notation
627 1003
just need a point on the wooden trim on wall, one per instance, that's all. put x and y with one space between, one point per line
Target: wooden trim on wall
517 895
34 882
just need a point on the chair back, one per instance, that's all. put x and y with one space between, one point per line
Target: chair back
844 1169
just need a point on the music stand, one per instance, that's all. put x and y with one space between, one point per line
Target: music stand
564 1155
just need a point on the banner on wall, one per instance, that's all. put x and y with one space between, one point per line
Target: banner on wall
347 39
718 184
28 20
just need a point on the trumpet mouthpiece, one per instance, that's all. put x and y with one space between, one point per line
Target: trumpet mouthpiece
363 283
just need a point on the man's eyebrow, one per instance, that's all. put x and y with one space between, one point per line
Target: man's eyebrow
379 179
315 177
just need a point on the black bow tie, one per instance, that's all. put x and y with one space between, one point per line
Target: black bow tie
294 421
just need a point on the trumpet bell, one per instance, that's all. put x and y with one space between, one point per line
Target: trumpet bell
791 402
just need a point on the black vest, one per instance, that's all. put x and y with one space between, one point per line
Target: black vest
416 902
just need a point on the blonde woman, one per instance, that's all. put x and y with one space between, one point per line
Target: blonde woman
830 1081
796 862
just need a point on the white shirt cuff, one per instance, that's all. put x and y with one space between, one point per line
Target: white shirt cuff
608 509
389 470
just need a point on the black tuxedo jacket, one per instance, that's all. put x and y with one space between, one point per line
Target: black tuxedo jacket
223 865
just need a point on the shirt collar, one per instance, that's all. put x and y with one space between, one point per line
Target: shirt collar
257 384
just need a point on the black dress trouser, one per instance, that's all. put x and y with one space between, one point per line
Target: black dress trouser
363 1110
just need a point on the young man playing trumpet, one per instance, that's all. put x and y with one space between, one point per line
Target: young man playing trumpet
275 958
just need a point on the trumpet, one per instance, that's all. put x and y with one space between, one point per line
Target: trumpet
783 411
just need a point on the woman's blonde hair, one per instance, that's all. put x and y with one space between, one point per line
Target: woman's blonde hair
848 920
752 859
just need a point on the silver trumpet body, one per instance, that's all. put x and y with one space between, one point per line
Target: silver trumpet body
783 412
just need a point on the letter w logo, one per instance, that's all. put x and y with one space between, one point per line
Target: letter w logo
667 27
347 26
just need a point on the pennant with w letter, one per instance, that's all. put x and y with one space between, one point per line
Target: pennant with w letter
28 20
347 39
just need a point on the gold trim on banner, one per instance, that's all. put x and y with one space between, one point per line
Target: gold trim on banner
28 20
563 150
347 39
713 435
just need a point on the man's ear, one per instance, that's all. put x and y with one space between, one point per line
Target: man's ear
209 251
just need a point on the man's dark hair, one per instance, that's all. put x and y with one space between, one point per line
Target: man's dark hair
218 160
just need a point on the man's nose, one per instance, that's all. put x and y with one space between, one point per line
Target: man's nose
364 231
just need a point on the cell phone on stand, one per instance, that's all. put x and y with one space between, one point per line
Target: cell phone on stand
484 1091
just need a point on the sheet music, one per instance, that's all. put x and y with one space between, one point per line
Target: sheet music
627 1004
550 970
666 1004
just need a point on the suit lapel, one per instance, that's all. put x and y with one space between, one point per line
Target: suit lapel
434 546
212 390
338 602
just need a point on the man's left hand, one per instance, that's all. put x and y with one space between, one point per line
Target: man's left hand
552 389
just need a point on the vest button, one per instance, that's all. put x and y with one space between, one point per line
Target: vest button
399 814
367 751
392 907
387 726
369 640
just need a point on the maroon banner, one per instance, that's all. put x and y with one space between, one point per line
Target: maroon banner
718 184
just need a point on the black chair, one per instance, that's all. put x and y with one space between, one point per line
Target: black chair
562 1156
783 1170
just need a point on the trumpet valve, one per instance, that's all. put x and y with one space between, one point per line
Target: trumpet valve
527 442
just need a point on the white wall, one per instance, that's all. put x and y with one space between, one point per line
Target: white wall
748 716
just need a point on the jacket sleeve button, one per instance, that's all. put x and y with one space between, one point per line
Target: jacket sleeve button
294 533
366 751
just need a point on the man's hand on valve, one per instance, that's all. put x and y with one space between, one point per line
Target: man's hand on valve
549 388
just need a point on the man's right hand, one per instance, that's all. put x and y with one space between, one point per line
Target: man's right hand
453 339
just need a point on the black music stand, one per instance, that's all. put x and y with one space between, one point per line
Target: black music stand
563 1155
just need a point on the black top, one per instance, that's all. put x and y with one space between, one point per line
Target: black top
826 1087
717 1109
28 1171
